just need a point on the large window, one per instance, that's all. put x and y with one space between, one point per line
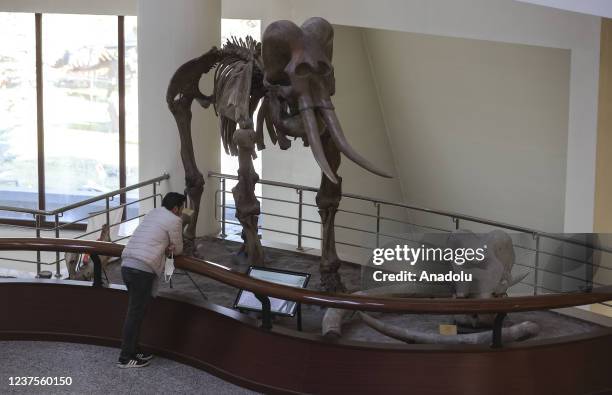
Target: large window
131 101
68 108
80 107
18 156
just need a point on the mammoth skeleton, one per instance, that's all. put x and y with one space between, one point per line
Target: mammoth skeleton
291 74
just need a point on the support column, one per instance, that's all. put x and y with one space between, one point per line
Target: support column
603 176
169 34
603 179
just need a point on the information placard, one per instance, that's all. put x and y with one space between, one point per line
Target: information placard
246 300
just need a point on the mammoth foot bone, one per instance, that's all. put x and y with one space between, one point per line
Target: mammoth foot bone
516 332
332 282
194 181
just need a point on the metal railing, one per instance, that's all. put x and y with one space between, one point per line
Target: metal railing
536 237
56 225
376 233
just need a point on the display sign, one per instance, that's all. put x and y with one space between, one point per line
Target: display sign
246 300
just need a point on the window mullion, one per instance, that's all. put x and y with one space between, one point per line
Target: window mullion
121 83
39 114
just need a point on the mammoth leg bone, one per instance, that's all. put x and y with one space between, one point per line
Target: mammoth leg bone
182 91
194 180
247 205
513 333
328 199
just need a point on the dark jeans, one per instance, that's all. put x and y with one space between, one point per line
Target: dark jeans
139 285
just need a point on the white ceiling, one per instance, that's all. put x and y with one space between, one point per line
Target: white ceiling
592 7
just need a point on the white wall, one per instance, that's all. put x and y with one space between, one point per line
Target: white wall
477 127
267 10
170 34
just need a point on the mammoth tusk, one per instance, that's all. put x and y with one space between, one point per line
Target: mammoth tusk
335 130
312 133
515 332
517 279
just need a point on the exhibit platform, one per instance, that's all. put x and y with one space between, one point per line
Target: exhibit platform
236 348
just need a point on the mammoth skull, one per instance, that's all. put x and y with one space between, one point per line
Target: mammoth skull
299 80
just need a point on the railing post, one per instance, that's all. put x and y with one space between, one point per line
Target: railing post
300 193
266 312
107 202
497 330
377 204
57 254
38 221
155 195
588 275
299 317
536 264
97 279
223 234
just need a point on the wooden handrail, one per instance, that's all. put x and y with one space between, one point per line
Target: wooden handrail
344 301
62 245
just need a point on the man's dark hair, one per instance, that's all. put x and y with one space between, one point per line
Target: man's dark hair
172 200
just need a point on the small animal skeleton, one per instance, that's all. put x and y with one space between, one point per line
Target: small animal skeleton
80 267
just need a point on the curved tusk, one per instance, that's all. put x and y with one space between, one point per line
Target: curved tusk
517 279
515 332
335 130
312 133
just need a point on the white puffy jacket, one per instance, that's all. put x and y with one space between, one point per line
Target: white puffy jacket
148 244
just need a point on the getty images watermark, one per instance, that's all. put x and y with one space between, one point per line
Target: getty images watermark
412 256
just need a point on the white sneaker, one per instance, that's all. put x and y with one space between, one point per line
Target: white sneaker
133 363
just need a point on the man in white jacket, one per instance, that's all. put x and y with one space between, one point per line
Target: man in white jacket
142 265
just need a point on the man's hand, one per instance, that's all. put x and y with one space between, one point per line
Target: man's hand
170 250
